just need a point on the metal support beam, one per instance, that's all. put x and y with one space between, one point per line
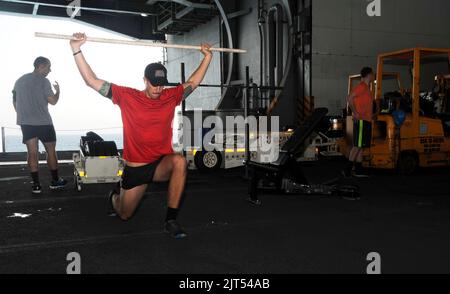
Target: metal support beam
246 114
184 12
35 9
75 11
184 3
141 13
239 13
179 15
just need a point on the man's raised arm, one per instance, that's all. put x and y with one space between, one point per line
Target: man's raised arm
86 72
198 76
54 98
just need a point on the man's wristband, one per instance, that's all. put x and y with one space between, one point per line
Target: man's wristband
76 53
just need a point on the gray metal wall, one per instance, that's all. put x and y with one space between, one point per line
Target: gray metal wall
345 39
246 37
249 38
205 98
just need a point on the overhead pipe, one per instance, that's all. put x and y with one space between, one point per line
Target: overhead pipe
288 63
230 45
275 45
262 13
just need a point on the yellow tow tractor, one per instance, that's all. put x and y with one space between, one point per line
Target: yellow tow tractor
412 127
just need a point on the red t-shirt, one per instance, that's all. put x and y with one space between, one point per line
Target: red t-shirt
363 101
147 123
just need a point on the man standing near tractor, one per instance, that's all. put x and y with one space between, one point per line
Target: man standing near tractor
360 101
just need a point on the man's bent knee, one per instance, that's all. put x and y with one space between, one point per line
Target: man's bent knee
179 162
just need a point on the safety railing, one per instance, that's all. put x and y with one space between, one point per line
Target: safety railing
68 138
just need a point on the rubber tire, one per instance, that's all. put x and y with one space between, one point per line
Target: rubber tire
199 161
407 164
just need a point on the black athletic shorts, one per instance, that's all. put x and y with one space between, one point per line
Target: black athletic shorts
46 134
137 176
362 133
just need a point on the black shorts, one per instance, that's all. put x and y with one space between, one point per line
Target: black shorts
362 133
46 134
137 176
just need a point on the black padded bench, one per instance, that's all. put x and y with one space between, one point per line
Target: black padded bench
286 164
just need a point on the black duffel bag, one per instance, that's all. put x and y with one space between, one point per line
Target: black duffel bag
94 145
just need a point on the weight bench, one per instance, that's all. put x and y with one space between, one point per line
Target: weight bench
285 174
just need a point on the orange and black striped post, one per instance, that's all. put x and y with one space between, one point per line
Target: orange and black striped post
309 106
305 108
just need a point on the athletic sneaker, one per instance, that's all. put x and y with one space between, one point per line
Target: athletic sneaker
173 229
36 189
55 185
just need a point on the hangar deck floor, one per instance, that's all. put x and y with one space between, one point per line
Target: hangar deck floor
405 219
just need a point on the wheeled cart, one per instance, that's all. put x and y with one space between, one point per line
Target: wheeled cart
97 162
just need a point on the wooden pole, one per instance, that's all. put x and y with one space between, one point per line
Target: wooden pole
137 43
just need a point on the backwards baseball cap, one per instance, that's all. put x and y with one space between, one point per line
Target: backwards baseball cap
156 73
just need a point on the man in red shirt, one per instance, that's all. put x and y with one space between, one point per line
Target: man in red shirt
361 104
147 131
